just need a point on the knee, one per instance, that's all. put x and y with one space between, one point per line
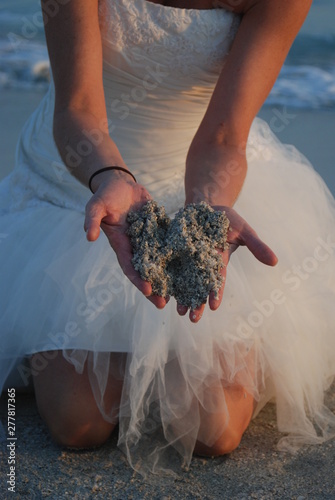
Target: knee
227 443
83 436
229 431
78 431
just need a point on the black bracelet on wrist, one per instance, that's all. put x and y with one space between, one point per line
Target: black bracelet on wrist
104 170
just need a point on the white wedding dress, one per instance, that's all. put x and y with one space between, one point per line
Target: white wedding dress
275 330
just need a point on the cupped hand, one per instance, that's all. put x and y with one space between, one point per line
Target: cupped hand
240 234
114 198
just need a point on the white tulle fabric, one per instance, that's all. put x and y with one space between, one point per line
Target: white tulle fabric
274 333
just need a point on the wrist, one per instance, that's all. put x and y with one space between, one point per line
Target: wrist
106 173
215 174
226 133
212 194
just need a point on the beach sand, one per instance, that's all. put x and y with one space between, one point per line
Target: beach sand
255 470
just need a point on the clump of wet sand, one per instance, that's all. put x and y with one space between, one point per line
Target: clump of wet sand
179 257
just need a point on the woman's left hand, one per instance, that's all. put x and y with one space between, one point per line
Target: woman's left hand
240 234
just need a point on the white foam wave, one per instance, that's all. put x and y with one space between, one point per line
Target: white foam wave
304 87
23 64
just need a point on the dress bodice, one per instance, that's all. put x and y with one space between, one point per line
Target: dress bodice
160 68
190 44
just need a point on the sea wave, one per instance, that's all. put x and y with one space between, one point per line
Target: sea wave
24 64
313 50
306 87
26 26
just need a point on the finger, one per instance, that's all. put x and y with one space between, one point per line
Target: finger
122 247
259 249
93 215
144 287
181 310
120 243
159 302
215 298
196 314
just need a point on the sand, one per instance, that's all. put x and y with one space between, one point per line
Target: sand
179 257
255 470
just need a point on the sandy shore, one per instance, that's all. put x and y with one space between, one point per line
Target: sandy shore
255 470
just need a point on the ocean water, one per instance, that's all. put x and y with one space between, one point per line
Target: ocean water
306 81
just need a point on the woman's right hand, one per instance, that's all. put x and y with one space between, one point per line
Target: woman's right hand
115 195
239 234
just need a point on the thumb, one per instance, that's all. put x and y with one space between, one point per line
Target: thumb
259 249
94 213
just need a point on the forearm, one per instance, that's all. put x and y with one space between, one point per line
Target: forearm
214 174
84 143
267 30
266 33
80 119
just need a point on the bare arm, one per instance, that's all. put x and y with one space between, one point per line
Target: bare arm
266 33
216 163
75 50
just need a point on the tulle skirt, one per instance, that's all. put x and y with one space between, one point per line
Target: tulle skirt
274 333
